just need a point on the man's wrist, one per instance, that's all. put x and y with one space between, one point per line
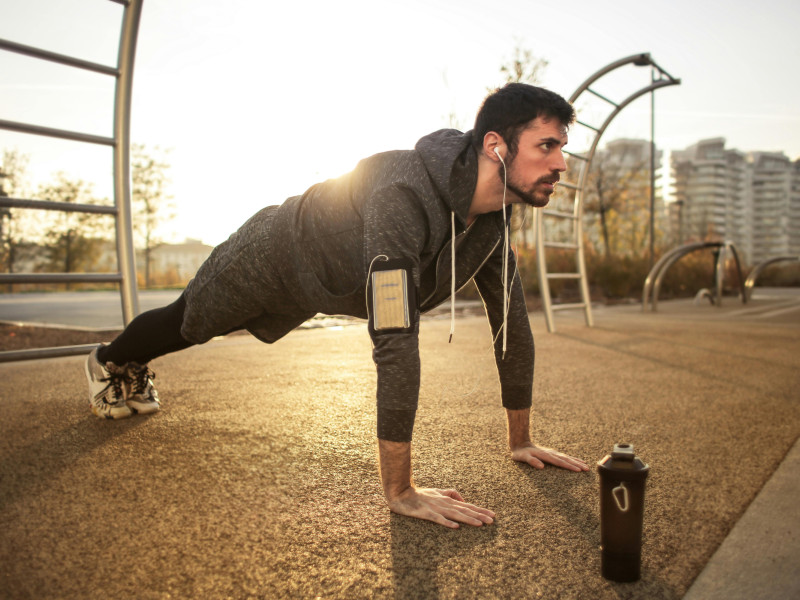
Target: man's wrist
395 465
518 428
514 447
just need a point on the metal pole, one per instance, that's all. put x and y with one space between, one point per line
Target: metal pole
652 167
122 174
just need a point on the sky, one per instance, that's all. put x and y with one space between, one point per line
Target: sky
257 100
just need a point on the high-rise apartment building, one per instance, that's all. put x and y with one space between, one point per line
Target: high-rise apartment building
752 200
776 204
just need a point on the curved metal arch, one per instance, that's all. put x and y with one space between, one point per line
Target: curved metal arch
642 59
618 108
660 269
750 282
669 258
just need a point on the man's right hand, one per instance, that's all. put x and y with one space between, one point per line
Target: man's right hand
445 507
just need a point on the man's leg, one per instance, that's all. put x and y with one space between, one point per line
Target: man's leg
152 334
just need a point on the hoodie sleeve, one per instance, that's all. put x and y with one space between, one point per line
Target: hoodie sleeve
395 226
516 369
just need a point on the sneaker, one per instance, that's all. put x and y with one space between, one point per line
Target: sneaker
143 398
107 388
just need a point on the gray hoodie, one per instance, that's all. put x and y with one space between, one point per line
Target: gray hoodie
319 248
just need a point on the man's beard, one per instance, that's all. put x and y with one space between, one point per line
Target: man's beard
532 196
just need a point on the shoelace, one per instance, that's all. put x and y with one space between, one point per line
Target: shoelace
115 381
139 379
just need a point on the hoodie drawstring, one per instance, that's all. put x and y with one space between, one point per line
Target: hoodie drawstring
452 275
505 265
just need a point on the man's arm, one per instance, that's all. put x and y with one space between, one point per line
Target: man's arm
445 507
523 450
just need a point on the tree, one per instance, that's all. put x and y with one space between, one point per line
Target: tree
73 239
149 197
524 67
13 183
618 192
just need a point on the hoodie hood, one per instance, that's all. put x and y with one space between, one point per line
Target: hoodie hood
451 163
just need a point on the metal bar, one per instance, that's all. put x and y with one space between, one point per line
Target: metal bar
565 245
541 270
599 95
656 270
60 278
593 128
568 185
675 257
559 214
38 353
56 133
569 306
122 176
719 274
61 206
730 246
753 276
57 58
578 156
123 2
637 59
564 275
662 71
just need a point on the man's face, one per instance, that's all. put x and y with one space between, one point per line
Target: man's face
536 167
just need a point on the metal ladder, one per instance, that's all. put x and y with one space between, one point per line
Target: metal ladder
574 217
121 210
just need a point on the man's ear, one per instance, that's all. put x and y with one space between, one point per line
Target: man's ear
494 147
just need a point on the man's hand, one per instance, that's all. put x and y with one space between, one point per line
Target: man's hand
445 507
537 456
523 450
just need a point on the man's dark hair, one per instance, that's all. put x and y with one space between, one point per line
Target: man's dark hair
510 108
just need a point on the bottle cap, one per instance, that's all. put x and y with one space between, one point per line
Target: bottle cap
623 452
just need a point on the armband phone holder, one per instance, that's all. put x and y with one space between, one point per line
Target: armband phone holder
391 295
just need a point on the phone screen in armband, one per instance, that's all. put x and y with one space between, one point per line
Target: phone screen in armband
390 300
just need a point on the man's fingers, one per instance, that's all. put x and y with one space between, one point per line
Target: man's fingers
455 509
535 463
445 507
536 456
568 462
452 494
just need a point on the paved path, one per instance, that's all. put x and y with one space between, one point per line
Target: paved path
97 310
258 479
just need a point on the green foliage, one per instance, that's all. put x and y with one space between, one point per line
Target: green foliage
72 239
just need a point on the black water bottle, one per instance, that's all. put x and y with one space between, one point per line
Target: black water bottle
622 479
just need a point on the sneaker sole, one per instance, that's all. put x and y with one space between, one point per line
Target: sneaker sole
144 409
110 415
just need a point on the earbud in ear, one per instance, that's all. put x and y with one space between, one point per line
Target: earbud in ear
497 151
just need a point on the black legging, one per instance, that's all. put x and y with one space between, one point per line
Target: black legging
152 334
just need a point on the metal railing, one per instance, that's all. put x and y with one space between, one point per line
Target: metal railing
652 284
750 282
120 142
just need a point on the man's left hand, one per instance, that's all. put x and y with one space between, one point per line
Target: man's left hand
537 456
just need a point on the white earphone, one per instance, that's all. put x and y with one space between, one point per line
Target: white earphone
497 151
